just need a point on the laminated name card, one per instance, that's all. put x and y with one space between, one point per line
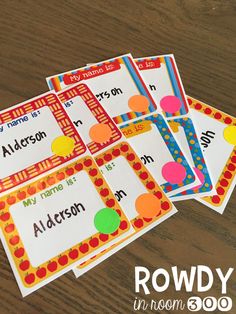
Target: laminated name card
216 131
164 83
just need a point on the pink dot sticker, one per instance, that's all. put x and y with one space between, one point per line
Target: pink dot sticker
201 177
170 104
173 172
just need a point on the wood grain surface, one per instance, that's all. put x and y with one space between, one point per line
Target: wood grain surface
41 38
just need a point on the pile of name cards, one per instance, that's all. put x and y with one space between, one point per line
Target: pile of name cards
97 161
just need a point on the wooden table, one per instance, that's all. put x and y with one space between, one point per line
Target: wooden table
41 38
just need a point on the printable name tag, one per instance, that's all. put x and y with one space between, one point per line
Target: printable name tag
35 136
162 77
217 133
141 198
55 222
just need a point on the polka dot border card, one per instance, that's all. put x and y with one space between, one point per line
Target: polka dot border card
51 224
138 193
164 82
119 87
31 134
217 133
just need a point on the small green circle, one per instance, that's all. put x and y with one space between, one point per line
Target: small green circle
107 220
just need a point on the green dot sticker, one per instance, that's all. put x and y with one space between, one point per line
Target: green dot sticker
107 220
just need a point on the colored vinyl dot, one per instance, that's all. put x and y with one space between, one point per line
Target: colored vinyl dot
107 220
170 104
147 205
63 146
138 103
230 134
217 115
173 172
200 176
100 133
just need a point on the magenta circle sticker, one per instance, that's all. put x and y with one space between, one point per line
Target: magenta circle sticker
200 176
173 172
170 104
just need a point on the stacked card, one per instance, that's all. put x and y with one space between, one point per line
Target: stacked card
96 162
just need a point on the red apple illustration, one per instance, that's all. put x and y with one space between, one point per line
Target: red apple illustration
11 200
165 205
93 172
137 166
116 152
41 272
104 192
63 260
73 254
10 228
94 242
110 203
108 157
88 162
24 265
131 157
14 240
29 279
42 185
19 252
5 217
158 194
150 185
60 176
51 181
124 148
69 171
118 212
114 233
123 225
84 248
79 167
98 182
138 223
143 175
2 205
99 162
103 237
52 266
21 195
31 190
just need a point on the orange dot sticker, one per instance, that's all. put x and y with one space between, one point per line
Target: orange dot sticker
148 205
138 103
230 134
63 146
100 133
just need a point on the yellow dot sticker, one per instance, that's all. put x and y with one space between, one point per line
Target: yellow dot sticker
63 146
230 134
